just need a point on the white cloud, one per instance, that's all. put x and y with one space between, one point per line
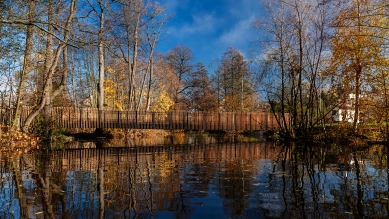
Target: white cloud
201 24
240 33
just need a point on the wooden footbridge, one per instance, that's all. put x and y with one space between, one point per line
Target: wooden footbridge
68 117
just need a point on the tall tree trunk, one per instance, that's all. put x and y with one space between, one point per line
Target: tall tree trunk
73 83
100 90
131 86
27 67
303 122
358 74
48 62
139 102
386 108
357 94
1 18
134 49
150 67
52 69
151 71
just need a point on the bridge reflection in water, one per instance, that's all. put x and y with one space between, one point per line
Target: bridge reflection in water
244 180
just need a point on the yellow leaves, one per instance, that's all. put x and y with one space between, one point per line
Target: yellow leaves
163 103
231 104
118 106
110 70
357 43
114 97
235 104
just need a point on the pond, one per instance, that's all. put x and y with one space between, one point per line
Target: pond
227 180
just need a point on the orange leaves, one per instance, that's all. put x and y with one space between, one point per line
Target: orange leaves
18 139
357 42
358 54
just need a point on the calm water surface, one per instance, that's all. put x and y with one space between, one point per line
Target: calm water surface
241 180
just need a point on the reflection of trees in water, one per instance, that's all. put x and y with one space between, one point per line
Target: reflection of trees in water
165 179
363 186
34 183
48 182
15 162
312 187
8 185
174 138
253 181
235 182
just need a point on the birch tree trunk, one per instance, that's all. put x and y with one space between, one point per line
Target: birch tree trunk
73 82
27 67
1 18
47 91
100 90
154 29
134 41
48 63
150 81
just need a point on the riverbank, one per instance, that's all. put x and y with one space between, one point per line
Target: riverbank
17 140
335 134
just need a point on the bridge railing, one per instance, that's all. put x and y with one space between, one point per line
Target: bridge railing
70 117
93 118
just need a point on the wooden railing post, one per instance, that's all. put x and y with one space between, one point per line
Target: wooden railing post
127 124
104 120
80 118
187 121
118 121
136 119
153 120
235 122
170 118
61 120
250 118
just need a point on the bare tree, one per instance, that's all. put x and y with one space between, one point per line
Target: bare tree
153 30
180 58
202 94
293 60
131 18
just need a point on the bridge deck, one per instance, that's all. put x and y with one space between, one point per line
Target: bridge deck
69 117
92 118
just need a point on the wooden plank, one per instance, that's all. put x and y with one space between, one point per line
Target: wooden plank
70 117
250 121
153 120
104 120
229 123
206 120
202 118
182 119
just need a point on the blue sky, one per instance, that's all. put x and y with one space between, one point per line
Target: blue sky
209 27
